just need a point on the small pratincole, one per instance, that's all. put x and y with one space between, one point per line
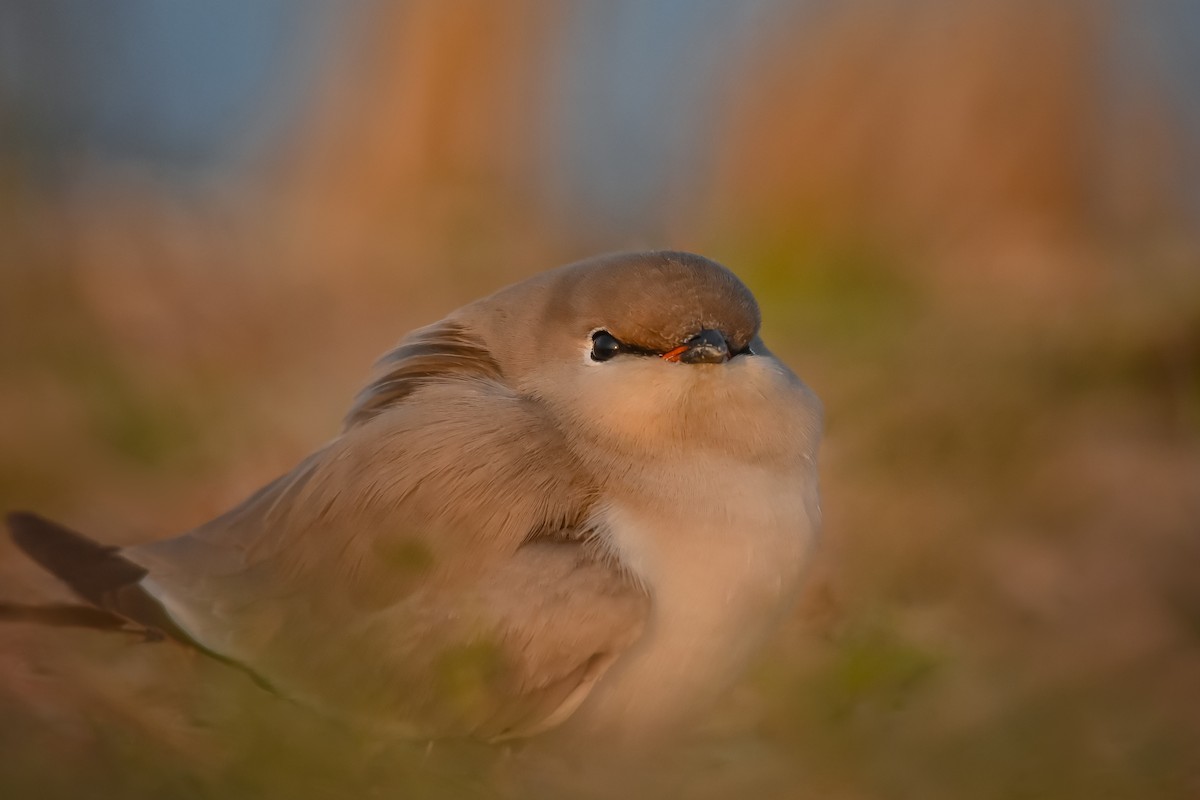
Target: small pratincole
587 498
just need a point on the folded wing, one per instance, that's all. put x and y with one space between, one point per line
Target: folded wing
429 570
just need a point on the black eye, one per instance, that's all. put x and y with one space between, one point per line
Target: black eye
604 346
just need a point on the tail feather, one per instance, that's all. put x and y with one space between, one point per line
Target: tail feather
62 615
104 578
73 615
97 573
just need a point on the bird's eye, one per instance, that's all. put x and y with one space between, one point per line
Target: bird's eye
604 346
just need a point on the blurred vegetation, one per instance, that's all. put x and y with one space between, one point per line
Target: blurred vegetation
979 260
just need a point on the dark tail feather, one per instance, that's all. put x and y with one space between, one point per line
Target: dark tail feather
97 573
100 575
62 615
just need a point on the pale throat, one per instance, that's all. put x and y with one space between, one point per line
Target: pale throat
720 549
745 528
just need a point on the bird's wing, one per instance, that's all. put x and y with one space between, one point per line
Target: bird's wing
428 566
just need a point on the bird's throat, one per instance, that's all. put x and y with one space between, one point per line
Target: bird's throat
721 569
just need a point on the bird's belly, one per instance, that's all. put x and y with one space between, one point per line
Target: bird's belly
720 576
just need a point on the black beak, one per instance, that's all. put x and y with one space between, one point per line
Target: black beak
706 347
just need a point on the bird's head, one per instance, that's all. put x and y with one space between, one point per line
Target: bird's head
654 354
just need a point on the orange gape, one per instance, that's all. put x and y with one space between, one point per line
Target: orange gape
673 355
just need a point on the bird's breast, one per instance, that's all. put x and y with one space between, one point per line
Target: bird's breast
720 547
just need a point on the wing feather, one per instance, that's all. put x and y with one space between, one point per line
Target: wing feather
393 575
436 352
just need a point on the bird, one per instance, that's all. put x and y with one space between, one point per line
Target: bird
579 505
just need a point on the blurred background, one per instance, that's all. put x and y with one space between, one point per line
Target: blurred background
974 228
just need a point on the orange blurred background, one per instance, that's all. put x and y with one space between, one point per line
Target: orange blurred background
973 228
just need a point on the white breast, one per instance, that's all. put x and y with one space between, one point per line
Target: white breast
721 551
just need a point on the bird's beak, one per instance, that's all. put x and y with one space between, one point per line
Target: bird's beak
706 347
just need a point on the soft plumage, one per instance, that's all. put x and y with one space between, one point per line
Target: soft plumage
513 534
